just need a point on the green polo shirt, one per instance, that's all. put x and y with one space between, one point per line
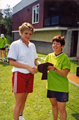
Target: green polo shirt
0 42
56 82
4 42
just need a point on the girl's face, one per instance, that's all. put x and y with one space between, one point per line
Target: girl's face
26 35
57 47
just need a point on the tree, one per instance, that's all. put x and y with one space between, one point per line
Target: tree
0 16
7 19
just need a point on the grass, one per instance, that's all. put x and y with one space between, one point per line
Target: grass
74 65
37 106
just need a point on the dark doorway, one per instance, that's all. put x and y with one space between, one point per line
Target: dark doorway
74 42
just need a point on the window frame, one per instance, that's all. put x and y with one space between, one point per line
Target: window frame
34 8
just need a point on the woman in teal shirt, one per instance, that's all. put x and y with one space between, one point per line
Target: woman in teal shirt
57 82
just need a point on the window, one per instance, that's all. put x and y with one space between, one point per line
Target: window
35 14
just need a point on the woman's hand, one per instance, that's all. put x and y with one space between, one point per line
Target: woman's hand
32 70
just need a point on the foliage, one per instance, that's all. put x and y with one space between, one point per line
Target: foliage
0 17
9 38
7 20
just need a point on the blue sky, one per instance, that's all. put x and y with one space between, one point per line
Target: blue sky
12 3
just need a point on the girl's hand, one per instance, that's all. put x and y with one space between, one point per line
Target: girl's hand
51 68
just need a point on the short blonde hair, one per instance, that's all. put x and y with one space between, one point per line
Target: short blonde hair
26 26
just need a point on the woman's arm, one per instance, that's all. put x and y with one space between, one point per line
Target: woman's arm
32 70
60 72
37 62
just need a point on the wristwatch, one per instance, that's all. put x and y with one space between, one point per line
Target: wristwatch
55 69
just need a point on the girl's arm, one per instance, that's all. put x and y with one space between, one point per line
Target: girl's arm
60 72
32 70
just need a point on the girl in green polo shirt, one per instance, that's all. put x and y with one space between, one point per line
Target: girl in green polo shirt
57 82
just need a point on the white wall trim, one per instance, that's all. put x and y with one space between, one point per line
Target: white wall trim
16 31
52 28
47 29
73 29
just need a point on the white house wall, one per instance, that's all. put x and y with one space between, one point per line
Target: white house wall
67 46
22 4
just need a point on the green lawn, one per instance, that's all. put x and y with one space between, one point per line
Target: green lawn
37 106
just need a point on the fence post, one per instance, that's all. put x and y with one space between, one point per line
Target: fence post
77 72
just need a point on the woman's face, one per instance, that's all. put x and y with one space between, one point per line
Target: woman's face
26 35
57 47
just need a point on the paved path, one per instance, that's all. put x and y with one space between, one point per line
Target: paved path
74 79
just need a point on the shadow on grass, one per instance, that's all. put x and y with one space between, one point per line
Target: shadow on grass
74 61
4 64
76 116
